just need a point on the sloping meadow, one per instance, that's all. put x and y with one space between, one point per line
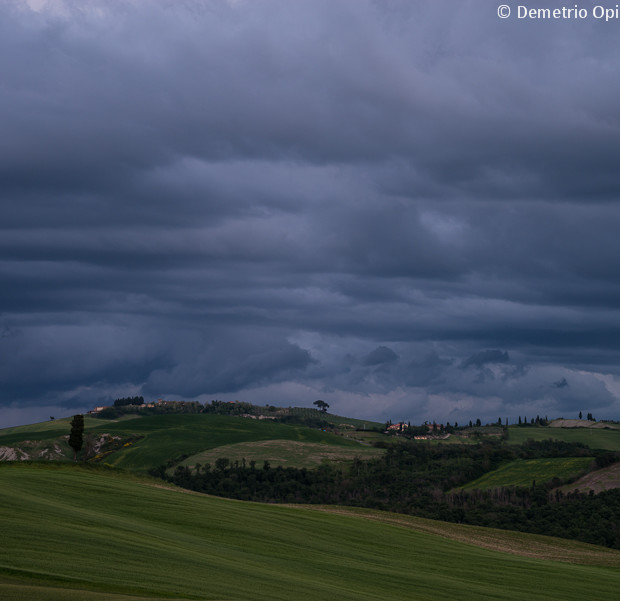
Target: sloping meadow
76 533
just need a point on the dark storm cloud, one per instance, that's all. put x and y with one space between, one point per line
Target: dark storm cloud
44 360
237 360
381 355
350 200
484 357
426 370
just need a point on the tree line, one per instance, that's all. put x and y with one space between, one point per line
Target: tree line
130 400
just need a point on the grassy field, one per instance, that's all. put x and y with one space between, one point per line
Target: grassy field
159 438
167 436
53 429
336 420
72 534
287 453
522 472
593 437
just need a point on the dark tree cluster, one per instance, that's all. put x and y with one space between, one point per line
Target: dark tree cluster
586 517
313 418
137 405
230 408
134 400
534 421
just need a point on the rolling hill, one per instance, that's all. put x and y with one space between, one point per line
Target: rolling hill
139 443
74 533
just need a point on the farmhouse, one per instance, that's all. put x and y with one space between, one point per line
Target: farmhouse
98 409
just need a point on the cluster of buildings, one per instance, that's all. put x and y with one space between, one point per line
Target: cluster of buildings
434 430
153 405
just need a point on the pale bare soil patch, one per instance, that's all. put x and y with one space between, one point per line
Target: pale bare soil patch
599 480
29 449
53 450
11 454
516 543
582 423
287 453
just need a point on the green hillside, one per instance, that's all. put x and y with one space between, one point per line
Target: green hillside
523 472
153 440
72 533
595 438
167 436
336 420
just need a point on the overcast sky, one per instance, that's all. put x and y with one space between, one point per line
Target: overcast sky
406 208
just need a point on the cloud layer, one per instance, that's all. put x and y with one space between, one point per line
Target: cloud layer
407 209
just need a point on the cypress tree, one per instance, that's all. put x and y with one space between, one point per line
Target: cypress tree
76 438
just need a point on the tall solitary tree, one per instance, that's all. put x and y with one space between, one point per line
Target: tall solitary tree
76 438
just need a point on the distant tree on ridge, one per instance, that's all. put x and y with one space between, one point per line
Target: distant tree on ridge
322 405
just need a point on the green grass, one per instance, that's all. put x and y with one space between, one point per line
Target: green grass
51 430
368 436
594 438
287 453
522 472
162 437
70 533
12 436
169 436
336 420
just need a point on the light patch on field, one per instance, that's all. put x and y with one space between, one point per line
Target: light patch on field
523 472
287 453
599 480
581 423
